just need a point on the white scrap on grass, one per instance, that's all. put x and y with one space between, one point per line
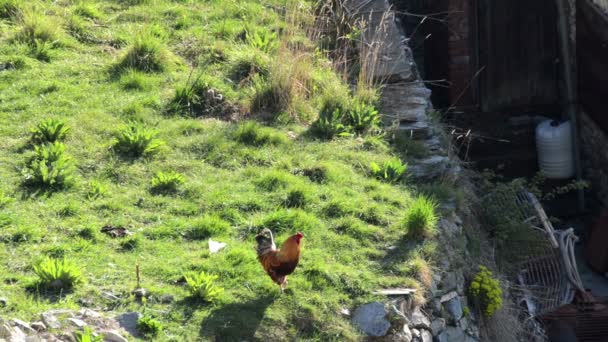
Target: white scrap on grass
215 246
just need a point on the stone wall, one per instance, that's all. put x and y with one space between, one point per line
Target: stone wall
594 156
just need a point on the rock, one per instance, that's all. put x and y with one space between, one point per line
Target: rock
140 293
463 324
38 326
430 168
454 309
406 333
34 338
128 321
11 334
78 322
453 281
3 302
419 319
448 296
167 299
437 326
426 336
215 246
109 296
25 327
88 313
50 320
451 334
113 336
415 334
450 227
371 319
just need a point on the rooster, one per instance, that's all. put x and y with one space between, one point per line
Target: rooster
278 263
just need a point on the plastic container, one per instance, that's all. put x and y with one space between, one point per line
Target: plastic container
554 147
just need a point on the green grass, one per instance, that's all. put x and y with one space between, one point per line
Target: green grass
266 171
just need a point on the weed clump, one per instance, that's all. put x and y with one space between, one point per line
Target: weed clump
362 118
167 182
421 218
50 167
135 140
391 171
198 98
296 198
329 125
134 80
203 286
148 326
9 9
252 133
207 226
146 54
96 190
486 290
57 274
38 29
49 131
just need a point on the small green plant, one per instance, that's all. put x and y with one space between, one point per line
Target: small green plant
198 98
49 131
50 167
263 39
486 290
86 335
202 286
147 54
87 10
4 200
207 226
391 170
362 118
131 243
421 218
96 190
251 133
329 125
135 140
57 274
167 182
149 326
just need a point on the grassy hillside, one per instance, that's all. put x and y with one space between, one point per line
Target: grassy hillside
222 93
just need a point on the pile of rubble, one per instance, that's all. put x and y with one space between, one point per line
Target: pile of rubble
59 326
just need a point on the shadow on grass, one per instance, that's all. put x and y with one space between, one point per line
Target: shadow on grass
39 291
402 250
235 321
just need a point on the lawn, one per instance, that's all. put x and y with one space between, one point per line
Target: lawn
185 121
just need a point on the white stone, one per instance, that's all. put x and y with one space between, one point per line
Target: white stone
24 326
78 322
216 246
113 336
419 319
50 320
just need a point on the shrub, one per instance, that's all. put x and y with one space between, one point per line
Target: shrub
207 226
96 190
202 286
86 335
135 140
50 167
252 133
329 125
147 54
486 290
149 326
49 131
391 171
421 219
167 182
57 274
362 117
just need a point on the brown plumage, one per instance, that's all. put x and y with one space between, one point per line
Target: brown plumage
278 263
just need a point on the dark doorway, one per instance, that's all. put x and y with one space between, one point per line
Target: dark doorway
518 49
